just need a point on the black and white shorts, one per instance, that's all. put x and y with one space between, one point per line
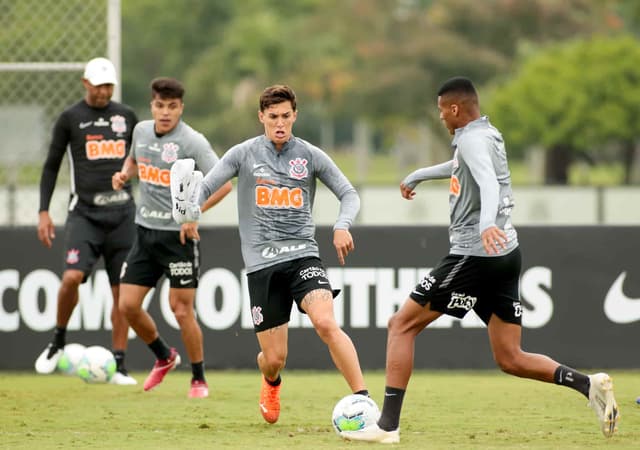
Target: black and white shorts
106 232
488 285
274 289
160 252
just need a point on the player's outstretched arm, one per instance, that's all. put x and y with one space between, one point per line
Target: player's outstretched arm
439 171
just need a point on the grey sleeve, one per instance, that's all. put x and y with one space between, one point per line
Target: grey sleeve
203 154
332 177
224 170
438 171
475 150
349 207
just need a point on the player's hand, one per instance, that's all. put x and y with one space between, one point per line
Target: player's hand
46 230
118 180
492 239
343 242
189 231
407 192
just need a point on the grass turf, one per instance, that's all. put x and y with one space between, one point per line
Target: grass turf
442 410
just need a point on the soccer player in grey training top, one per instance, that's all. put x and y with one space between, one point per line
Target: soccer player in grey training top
481 271
161 246
277 175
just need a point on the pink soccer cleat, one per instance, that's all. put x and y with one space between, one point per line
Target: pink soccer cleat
199 389
160 369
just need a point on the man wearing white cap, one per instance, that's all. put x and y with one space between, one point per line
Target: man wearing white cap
97 132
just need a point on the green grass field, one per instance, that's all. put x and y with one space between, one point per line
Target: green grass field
443 410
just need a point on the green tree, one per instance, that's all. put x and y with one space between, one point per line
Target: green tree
576 98
165 38
372 62
268 42
405 57
376 60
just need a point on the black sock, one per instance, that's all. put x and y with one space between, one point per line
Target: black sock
390 417
275 382
118 355
566 376
364 392
59 337
160 348
197 370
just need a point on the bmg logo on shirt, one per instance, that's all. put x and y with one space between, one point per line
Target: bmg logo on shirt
279 197
154 175
105 149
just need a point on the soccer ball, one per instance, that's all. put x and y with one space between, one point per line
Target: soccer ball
97 365
70 359
354 412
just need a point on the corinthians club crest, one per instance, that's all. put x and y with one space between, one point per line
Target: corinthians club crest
298 168
118 124
170 152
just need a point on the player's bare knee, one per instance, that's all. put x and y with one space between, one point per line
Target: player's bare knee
397 325
327 328
71 279
129 309
393 323
182 314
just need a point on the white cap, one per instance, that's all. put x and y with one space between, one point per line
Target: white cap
100 71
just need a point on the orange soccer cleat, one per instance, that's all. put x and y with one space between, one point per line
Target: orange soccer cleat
270 401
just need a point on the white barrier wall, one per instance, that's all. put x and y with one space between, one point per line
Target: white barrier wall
535 205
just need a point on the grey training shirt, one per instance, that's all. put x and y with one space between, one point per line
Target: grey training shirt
276 190
480 192
155 155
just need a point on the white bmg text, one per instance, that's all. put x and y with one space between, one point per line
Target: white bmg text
369 296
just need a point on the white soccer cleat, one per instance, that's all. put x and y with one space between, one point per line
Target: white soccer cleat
602 401
373 433
123 379
181 172
48 359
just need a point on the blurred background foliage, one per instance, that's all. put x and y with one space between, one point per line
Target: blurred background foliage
560 78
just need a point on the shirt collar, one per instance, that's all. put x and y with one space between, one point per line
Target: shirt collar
482 121
271 146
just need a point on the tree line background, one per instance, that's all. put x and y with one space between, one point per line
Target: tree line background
560 78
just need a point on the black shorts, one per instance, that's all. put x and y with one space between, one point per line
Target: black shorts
99 231
274 289
159 252
488 285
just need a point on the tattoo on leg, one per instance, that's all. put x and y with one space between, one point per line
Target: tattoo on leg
321 295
